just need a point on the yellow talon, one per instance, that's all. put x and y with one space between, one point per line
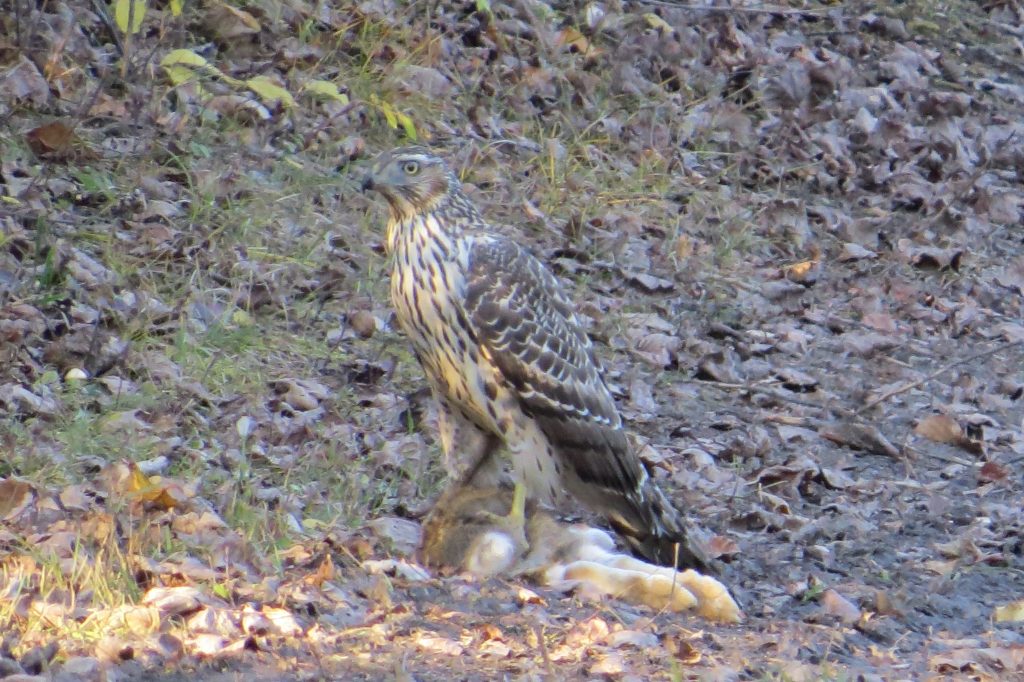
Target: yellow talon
517 514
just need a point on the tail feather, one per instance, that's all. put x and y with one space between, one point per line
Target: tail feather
655 531
604 474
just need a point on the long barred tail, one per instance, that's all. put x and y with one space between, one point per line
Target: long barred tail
656 532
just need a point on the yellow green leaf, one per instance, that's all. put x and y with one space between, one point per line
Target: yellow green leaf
389 114
394 117
407 125
269 91
183 65
184 58
129 10
180 74
176 7
657 23
325 90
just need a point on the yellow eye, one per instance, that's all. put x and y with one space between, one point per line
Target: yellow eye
411 167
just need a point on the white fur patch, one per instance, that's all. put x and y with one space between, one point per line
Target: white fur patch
491 553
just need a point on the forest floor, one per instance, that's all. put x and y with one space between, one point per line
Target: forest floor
794 231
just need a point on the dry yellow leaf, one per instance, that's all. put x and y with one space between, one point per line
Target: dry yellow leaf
657 23
572 39
1014 611
324 572
684 247
799 270
161 493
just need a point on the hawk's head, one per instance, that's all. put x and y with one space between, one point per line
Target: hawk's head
413 181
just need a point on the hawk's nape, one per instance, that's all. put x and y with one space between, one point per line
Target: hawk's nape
506 357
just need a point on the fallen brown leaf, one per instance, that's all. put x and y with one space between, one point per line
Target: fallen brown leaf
53 141
15 497
859 437
837 605
993 472
940 428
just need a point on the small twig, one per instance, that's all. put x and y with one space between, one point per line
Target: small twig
101 11
940 371
789 420
772 392
308 138
1014 30
33 30
904 341
760 9
965 189
538 630
934 454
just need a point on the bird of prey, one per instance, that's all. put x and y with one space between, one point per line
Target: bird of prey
509 362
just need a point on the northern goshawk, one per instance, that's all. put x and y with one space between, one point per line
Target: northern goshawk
509 362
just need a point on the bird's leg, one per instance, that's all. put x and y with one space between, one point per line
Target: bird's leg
447 428
484 468
513 523
469 451
517 514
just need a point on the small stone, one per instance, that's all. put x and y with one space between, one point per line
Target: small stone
80 668
75 374
8 667
38 658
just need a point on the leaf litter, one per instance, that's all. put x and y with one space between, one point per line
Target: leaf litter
792 229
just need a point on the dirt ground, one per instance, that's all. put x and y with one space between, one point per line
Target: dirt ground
794 231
